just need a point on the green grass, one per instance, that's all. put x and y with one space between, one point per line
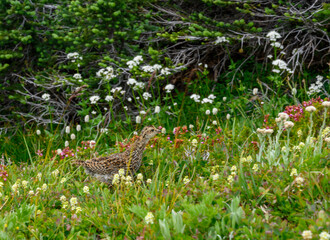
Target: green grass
215 188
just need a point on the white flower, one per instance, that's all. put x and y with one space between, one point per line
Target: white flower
73 201
307 234
149 218
283 115
66 143
138 119
277 45
206 100
186 180
73 56
62 198
280 64
163 130
77 76
139 176
255 167
138 59
324 236
94 99
67 129
273 35
44 187
191 126
294 91
211 96
157 109
194 142
269 131
228 116
39 175
86 189
38 132
131 64
224 99
148 69
55 172
108 98
214 123
63 180
165 71
207 112
276 71
288 124
86 118
115 179
326 104
78 210
157 67
93 112
24 183
255 91
146 95
73 136
169 88
45 96
31 192
131 81
15 187
215 177
221 40
149 181
270 56
104 130
195 97
293 172
310 109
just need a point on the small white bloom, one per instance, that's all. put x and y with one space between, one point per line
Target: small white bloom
73 201
283 115
94 99
288 124
326 104
31 192
55 172
169 88
163 130
221 40
24 183
186 180
228 116
214 123
195 97
149 218
165 71
67 129
273 35
44 187
138 59
157 109
139 176
62 198
77 76
191 126
255 91
38 132
324 236
146 95
215 177
207 112
108 98
310 109
224 99
307 234
86 189
73 136
93 112
86 118
45 96
149 181
66 143
131 81
131 64
63 180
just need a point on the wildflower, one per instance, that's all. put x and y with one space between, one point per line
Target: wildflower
169 88
157 109
115 179
73 201
121 172
277 45
165 71
228 116
38 132
78 209
94 99
326 104
255 91
191 126
294 91
131 64
269 131
128 181
293 172
310 109
273 35
86 189
77 76
214 123
149 181
66 143
108 98
38 212
221 40
280 64
214 111
55 172
67 129
163 130
146 95
86 118
186 180
143 112
138 119
139 176
194 142
207 112
224 99
1 184
151 162
15 187
327 140
73 136
78 128
149 218
44 187
38 189
195 97
288 124
24 183
45 96
215 177
73 56
138 59
307 234
31 192
324 236
233 168
92 144
63 180
255 168
129 99
65 204
230 179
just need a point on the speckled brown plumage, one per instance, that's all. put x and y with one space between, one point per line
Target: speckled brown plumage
103 168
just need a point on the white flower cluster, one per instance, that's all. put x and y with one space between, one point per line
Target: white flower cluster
146 95
108 73
281 66
273 36
316 87
94 99
73 56
195 97
118 89
221 40
135 62
78 77
209 99
136 85
169 88
151 69
45 96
